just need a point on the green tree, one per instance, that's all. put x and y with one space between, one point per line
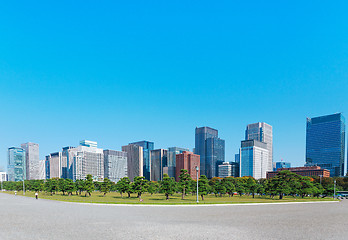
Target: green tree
123 185
251 185
140 185
228 182
62 185
167 185
79 186
184 182
153 187
240 186
51 185
89 186
70 187
105 186
203 186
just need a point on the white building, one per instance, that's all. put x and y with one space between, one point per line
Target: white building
32 160
225 170
3 176
115 165
42 170
254 159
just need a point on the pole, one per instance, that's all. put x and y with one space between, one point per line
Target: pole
197 182
23 186
320 178
334 189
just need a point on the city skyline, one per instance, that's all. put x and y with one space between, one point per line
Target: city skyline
123 72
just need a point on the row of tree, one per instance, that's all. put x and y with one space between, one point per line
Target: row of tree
284 183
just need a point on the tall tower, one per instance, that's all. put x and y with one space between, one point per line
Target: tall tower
211 150
32 160
262 132
325 143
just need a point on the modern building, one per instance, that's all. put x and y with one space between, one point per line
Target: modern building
147 147
189 161
211 150
303 171
262 132
135 158
172 152
325 143
53 165
235 169
159 159
115 165
254 159
225 170
32 160
16 164
3 176
42 170
277 165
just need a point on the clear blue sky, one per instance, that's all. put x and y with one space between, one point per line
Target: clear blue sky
121 72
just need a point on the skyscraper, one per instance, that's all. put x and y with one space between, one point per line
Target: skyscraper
115 165
262 132
211 150
172 152
189 161
147 147
158 161
254 159
16 164
325 143
134 160
32 160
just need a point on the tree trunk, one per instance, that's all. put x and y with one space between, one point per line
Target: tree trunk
183 194
128 195
167 196
104 194
280 196
202 197
121 194
253 195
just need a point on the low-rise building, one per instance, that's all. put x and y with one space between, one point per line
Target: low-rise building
303 171
189 161
225 170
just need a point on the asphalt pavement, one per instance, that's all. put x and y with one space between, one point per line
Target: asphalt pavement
28 218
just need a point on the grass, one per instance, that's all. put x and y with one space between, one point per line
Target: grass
159 199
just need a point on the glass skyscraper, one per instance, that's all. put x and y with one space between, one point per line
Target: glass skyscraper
16 164
325 143
147 147
172 151
211 150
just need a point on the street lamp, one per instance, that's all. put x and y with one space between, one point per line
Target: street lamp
197 168
23 186
320 178
334 189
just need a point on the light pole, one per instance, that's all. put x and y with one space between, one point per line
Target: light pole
334 189
197 168
320 178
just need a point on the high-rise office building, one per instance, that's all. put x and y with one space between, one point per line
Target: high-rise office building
254 159
325 143
115 165
262 132
147 147
16 164
159 159
42 171
189 161
54 165
32 160
278 165
134 160
172 152
211 150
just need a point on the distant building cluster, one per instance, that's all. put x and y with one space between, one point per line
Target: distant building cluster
325 156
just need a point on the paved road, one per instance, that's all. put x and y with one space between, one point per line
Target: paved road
27 218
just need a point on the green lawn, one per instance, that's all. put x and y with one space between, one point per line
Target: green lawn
115 198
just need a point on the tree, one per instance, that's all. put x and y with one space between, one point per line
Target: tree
228 182
105 186
140 185
70 187
153 187
79 186
220 188
240 186
123 185
89 186
203 186
167 185
251 186
62 185
184 182
51 185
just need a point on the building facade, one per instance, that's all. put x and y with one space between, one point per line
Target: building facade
211 150
3 176
277 165
147 148
189 161
115 165
32 160
325 143
254 159
159 159
172 152
134 160
16 164
225 170
262 132
303 171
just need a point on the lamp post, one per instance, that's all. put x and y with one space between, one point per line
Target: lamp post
320 178
197 168
23 186
334 189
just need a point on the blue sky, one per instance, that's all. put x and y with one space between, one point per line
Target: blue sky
121 72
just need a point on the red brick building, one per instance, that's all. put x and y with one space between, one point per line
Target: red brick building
303 171
189 161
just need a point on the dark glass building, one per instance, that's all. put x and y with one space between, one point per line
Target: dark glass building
147 147
325 143
211 150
